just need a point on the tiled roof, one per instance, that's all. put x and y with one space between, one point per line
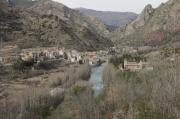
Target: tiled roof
132 63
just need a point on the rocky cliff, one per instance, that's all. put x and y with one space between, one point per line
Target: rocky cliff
152 27
130 27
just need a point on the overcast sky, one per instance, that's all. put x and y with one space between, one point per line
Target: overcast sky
112 5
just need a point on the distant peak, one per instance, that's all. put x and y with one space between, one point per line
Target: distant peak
148 9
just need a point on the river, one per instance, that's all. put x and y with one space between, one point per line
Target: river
96 78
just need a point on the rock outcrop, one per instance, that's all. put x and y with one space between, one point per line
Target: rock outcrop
130 28
153 26
144 17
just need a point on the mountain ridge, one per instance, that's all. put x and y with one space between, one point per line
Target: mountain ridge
72 16
110 18
28 28
130 27
161 26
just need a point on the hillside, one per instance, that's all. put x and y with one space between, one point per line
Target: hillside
22 3
27 28
63 12
71 16
152 27
111 19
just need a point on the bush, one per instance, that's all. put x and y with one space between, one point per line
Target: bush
80 62
21 65
56 18
43 16
48 65
101 97
78 89
57 83
65 55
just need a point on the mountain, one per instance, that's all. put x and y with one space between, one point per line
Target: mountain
4 1
21 3
28 28
130 27
113 20
71 16
158 26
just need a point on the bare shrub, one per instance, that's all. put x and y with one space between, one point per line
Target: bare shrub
108 74
136 95
70 77
153 94
34 103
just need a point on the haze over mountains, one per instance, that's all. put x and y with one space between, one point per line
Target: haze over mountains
113 20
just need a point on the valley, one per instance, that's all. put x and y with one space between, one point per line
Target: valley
112 20
58 62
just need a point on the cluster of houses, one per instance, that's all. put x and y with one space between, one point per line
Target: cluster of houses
40 55
72 56
4 59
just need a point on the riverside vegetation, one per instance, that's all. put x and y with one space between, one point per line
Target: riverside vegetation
136 95
38 102
144 94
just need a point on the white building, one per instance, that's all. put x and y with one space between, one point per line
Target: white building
79 57
61 52
69 55
1 59
73 60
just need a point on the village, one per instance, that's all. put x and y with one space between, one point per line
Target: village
55 53
67 68
95 58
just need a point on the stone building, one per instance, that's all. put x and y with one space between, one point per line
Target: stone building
133 65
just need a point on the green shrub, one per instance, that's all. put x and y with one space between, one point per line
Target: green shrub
56 18
78 89
65 55
145 112
50 26
130 76
80 62
21 65
101 96
43 16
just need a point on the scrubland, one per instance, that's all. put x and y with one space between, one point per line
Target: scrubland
39 97
145 94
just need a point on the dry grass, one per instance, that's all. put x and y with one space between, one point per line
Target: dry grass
36 97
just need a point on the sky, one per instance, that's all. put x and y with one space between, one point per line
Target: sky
112 5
